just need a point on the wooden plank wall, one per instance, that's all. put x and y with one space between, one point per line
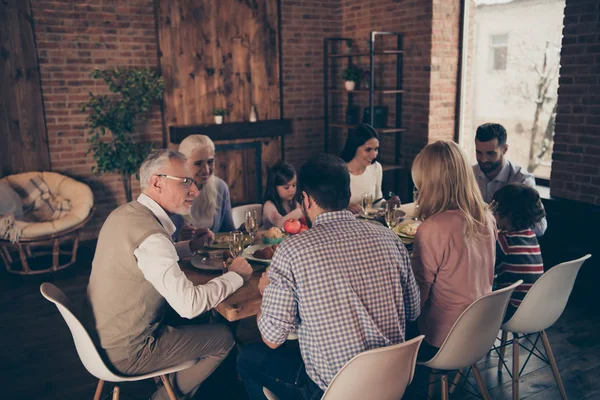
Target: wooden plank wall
23 136
225 54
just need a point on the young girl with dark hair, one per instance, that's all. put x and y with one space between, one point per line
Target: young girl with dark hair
280 196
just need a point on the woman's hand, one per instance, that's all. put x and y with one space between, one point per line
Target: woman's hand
186 233
202 237
355 208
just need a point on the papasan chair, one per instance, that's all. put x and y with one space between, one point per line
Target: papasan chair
57 235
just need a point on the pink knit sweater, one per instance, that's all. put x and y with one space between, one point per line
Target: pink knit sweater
451 270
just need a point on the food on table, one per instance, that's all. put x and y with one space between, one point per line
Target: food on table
222 239
273 233
292 226
408 229
266 253
303 228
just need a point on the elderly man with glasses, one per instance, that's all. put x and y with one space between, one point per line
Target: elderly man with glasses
135 272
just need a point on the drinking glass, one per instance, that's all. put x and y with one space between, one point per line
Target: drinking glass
236 243
392 212
251 223
367 202
415 197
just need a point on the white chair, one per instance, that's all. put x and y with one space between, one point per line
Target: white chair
239 214
471 337
88 354
381 374
543 304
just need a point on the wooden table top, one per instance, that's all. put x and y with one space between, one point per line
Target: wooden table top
245 302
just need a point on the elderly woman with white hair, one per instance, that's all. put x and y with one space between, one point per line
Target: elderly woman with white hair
211 210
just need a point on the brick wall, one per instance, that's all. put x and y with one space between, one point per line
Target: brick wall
444 69
576 153
72 40
304 25
414 20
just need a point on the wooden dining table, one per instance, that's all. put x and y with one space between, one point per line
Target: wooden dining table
246 301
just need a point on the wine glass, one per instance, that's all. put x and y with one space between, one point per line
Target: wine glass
236 243
415 197
251 223
391 217
367 203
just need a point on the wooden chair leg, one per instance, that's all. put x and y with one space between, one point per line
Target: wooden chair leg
555 371
456 380
431 387
168 387
482 389
99 390
515 365
116 393
503 341
444 387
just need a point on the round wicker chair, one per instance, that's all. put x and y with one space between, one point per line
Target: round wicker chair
56 238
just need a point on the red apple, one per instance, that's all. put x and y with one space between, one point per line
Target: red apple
303 228
292 226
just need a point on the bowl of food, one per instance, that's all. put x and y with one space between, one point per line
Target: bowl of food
273 235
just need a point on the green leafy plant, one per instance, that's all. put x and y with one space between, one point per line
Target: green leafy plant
219 112
352 74
135 92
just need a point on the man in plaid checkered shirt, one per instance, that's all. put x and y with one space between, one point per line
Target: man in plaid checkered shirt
345 286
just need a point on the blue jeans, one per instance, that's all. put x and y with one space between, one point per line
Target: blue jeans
281 370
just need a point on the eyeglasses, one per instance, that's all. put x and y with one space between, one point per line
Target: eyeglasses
186 182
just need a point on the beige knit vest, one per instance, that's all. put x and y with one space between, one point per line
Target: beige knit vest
123 306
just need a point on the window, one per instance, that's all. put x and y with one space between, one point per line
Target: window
520 94
498 51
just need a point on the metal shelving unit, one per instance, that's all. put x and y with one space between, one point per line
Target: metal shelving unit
328 59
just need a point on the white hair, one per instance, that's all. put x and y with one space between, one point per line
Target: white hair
205 205
155 162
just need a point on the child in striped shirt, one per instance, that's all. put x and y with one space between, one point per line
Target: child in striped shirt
517 208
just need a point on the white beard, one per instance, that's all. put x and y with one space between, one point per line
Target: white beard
205 205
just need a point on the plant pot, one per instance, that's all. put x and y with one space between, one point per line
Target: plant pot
350 85
218 119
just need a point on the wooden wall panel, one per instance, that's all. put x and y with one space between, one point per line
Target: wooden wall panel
23 137
219 53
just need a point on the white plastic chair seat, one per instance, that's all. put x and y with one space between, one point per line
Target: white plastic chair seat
238 214
381 374
545 302
86 349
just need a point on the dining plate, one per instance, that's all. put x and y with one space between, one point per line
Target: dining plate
249 251
222 241
407 229
212 263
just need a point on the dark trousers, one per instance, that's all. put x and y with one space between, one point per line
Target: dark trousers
281 371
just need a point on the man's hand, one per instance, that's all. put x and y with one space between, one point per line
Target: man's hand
355 208
241 267
202 237
263 282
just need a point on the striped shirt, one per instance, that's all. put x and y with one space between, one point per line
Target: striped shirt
518 256
348 287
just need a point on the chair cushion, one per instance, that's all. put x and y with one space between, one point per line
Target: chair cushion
79 194
41 203
10 201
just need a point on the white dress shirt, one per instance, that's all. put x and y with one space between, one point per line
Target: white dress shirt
510 173
158 258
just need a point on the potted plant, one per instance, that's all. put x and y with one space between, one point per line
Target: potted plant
351 75
219 113
135 90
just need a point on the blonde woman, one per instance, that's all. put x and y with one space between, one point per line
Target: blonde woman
455 246
211 210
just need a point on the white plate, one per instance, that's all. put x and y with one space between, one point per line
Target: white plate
247 254
208 264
